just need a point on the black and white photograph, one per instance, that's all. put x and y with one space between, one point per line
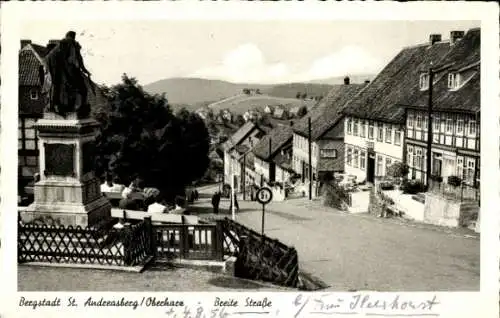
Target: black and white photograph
226 155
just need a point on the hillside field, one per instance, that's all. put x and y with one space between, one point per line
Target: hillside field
241 103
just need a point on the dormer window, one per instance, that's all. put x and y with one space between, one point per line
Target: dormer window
424 81
453 81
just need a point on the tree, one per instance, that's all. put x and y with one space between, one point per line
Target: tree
257 91
302 111
299 94
304 96
246 91
398 170
239 120
140 136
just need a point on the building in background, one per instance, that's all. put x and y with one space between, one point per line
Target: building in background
456 114
375 119
273 155
237 151
327 134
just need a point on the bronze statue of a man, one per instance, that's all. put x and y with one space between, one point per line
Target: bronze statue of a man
65 79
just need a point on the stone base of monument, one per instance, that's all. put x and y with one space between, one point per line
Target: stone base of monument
68 192
94 214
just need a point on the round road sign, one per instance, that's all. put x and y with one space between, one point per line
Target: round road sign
264 195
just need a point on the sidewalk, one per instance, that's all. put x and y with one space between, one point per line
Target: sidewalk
35 278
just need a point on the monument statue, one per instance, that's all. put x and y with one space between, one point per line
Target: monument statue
65 80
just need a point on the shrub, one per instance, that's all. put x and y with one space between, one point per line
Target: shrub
334 195
413 187
454 181
398 170
386 185
436 178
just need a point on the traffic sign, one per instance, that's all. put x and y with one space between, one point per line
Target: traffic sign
264 195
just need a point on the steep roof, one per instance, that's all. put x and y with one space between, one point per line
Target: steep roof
467 98
29 66
399 79
240 134
279 136
327 112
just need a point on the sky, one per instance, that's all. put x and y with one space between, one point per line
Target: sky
264 52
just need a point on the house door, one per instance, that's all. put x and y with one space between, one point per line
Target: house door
437 166
370 168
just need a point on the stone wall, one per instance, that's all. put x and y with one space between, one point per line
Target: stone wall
375 205
444 212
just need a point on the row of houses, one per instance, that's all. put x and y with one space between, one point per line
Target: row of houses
362 129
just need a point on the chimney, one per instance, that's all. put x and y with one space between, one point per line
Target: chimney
25 42
434 38
455 36
367 81
52 44
347 81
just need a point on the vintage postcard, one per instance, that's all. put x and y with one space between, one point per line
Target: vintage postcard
193 159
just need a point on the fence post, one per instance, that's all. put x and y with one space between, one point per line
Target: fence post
183 241
218 241
151 234
127 239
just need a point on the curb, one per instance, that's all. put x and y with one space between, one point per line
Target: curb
130 269
317 283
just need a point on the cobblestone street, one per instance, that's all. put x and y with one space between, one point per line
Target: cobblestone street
362 252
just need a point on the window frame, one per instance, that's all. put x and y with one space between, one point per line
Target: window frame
355 156
472 126
371 129
460 131
418 123
424 81
397 141
388 135
449 126
410 123
349 126
323 151
35 93
380 133
362 160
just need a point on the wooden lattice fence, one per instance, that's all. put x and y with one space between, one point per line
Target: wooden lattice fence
128 246
260 257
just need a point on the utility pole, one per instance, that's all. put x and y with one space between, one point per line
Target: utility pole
310 157
429 128
269 158
244 175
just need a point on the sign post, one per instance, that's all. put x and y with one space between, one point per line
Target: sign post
264 196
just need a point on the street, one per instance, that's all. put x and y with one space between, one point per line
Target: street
361 252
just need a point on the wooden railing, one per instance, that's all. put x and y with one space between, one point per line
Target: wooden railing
185 241
128 246
155 217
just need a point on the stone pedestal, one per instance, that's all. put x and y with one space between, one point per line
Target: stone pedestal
68 192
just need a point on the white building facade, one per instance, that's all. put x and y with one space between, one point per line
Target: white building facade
371 147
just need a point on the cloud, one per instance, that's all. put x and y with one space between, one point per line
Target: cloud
247 64
349 60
